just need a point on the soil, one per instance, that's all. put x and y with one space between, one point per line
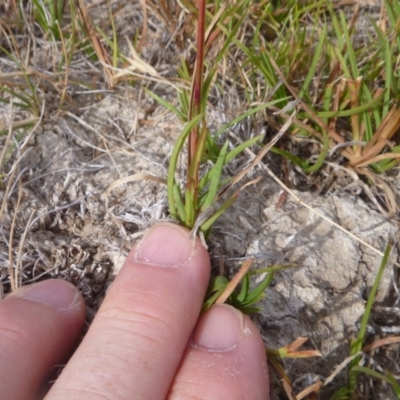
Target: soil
83 203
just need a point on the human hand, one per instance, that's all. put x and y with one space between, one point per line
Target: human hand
146 341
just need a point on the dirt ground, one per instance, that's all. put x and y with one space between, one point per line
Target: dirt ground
74 203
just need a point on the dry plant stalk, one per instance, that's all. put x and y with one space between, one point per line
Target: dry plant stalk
340 367
388 128
235 281
98 47
133 178
12 273
381 342
314 388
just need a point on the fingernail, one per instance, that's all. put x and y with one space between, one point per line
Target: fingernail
219 329
165 245
55 293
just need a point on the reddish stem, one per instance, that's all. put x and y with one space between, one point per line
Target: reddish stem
198 79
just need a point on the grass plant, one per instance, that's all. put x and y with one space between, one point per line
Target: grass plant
357 348
343 90
301 67
201 193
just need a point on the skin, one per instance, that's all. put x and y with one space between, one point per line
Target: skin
147 340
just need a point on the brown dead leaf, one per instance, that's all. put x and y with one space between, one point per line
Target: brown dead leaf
235 281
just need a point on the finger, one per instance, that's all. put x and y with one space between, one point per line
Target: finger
224 360
39 325
137 339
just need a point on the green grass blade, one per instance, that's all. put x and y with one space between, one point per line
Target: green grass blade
215 289
243 146
371 298
184 101
167 105
316 59
386 165
215 178
230 33
393 382
352 111
232 154
303 164
342 62
247 114
367 120
388 378
114 43
356 345
342 394
321 158
327 100
393 12
387 53
335 24
174 162
244 289
192 189
258 293
366 96
25 99
207 82
179 203
206 226
350 54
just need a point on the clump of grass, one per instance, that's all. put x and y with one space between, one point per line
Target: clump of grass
336 83
19 86
317 69
357 349
49 15
204 185
336 86
342 82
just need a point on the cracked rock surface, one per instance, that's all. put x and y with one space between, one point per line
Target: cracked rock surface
323 297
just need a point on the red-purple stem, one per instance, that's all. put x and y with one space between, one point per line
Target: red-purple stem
198 78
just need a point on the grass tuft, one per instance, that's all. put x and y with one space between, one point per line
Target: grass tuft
300 70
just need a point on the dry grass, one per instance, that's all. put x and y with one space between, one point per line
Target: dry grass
66 209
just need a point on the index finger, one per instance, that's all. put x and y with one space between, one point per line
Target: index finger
136 342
